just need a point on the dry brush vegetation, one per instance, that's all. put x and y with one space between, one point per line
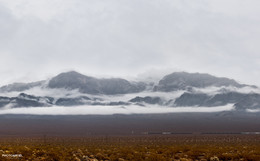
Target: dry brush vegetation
119 148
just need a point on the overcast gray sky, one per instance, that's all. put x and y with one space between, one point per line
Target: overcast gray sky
40 38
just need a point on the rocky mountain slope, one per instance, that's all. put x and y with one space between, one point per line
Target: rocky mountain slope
179 89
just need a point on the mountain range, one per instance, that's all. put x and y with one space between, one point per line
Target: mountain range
178 89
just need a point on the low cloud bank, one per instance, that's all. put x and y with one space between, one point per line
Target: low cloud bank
110 110
253 110
218 90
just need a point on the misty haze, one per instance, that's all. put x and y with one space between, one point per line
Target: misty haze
176 92
129 80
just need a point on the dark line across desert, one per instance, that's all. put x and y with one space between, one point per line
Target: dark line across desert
134 124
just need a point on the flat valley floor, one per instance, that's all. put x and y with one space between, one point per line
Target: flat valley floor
85 125
178 136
